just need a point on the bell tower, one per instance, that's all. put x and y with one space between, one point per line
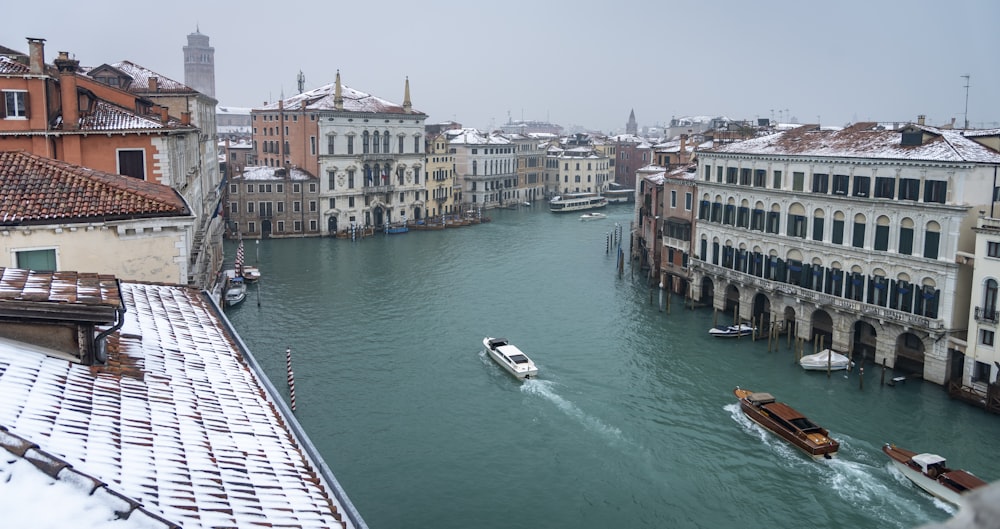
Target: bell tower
199 64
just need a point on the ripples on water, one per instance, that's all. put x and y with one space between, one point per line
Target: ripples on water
631 422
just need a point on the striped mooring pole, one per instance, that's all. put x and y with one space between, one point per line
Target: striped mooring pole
291 375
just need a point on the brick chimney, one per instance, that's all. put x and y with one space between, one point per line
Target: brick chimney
164 115
185 118
67 91
154 84
36 53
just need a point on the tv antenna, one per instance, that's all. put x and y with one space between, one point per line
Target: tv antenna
966 77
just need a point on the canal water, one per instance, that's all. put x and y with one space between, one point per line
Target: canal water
631 422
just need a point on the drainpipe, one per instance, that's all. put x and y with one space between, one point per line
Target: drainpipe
100 342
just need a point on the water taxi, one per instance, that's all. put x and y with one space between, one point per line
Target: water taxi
931 473
510 357
593 216
787 423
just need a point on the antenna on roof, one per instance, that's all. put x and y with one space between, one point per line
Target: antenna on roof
966 77
302 81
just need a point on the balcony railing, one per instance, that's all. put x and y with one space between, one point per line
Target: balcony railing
822 299
987 315
378 189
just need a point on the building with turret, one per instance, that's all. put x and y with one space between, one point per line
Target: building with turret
199 64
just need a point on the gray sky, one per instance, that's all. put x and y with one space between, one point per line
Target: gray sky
585 63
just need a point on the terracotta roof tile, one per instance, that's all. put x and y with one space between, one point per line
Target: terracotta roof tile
35 189
80 288
141 76
10 66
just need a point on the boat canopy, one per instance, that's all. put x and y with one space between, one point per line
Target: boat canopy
926 460
760 398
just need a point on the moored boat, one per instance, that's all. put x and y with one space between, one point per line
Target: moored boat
251 274
931 473
731 331
235 291
787 423
512 359
823 360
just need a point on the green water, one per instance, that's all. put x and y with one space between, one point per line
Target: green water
631 423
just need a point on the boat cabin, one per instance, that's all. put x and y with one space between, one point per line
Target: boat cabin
930 464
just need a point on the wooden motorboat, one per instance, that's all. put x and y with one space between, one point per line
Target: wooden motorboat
787 423
510 357
931 473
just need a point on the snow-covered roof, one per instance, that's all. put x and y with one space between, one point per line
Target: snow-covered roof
240 111
263 172
475 137
866 140
322 98
178 421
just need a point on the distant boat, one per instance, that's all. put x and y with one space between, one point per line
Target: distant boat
396 228
251 274
560 204
731 331
593 216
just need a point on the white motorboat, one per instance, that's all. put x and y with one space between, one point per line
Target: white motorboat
931 473
823 360
731 331
251 274
510 357
593 216
236 291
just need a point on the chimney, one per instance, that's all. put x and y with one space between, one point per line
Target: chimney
164 116
67 91
185 118
36 52
920 119
154 84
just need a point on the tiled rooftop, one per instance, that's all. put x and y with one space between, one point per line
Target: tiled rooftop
34 189
58 287
10 66
140 79
177 421
108 117
322 98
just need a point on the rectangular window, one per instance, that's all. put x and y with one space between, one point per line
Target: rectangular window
312 225
841 184
296 206
330 179
330 143
281 207
687 201
400 145
885 187
350 145
817 228
250 206
862 185
906 241
993 249
233 188
312 145
909 189
759 178
260 188
132 162
252 227
15 104
935 191
249 188
773 220
798 181
673 198
296 188
708 173
281 226
731 175
312 205
797 226
718 174
757 220
38 260
745 177
931 241
777 180
297 226
986 337
821 183
234 207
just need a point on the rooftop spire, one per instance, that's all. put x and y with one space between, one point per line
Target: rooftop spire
338 98
407 106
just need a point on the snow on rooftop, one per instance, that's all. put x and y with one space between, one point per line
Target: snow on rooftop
322 98
262 172
177 421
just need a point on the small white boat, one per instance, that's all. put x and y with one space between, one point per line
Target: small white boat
251 274
593 216
825 359
236 291
731 331
510 357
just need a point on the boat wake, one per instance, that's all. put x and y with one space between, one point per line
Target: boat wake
543 388
855 479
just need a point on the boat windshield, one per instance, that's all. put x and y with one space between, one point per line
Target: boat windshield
519 359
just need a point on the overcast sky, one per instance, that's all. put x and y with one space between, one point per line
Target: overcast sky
585 63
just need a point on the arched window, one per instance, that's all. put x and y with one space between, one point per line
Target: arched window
385 141
906 236
375 143
932 240
882 233
365 142
990 300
